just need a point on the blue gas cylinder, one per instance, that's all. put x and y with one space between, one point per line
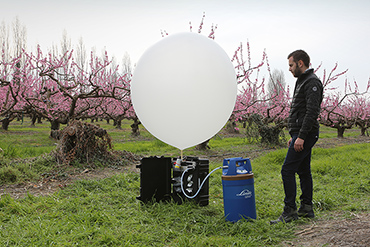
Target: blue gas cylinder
238 189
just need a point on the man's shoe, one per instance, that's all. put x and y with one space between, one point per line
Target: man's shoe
306 210
288 215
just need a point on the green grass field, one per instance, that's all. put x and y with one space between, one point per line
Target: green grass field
106 212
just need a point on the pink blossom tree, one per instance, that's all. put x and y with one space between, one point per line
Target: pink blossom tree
118 110
344 111
12 71
341 111
12 87
361 106
62 91
257 109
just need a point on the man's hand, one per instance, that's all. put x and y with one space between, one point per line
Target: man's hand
298 145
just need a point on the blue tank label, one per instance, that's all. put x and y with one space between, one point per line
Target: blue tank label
245 193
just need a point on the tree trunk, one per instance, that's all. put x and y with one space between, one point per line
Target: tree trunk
55 133
363 128
33 119
203 145
55 125
231 127
363 131
5 123
135 128
119 124
340 131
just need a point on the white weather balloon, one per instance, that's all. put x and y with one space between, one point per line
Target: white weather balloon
183 89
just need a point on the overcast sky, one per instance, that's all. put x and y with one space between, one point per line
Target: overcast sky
330 31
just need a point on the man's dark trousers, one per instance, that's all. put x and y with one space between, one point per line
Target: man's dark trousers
300 163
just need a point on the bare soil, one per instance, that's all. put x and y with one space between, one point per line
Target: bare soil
339 229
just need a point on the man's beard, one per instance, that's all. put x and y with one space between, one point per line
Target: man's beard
297 72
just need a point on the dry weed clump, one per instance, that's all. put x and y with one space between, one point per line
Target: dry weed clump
84 143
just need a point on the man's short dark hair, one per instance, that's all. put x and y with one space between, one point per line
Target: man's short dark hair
300 55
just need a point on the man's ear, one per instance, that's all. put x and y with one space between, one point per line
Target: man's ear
300 64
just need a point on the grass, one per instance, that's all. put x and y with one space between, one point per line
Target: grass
106 212
23 141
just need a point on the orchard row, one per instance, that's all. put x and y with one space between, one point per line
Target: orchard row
59 89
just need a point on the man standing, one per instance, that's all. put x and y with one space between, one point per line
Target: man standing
304 131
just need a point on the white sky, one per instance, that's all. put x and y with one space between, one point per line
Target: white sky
329 30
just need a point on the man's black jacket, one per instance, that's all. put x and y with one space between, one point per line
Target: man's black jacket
305 108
